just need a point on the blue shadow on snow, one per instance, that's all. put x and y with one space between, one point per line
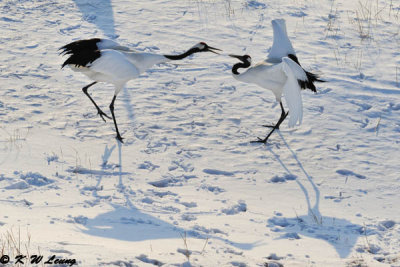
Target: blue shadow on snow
131 224
100 13
339 233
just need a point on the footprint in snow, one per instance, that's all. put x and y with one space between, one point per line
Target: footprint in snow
147 165
275 257
163 183
393 106
147 200
386 225
218 172
235 209
205 230
188 217
298 14
67 30
214 189
278 221
350 173
172 181
363 123
283 179
362 106
29 179
176 164
318 109
189 204
162 194
255 4
324 91
78 219
290 236
144 258
273 264
238 264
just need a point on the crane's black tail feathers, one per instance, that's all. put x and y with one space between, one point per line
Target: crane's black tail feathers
311 78
80 45
82 58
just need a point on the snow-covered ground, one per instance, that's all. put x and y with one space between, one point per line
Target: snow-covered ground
187 187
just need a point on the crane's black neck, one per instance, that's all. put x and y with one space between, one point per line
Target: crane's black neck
182 56
237 66
294 58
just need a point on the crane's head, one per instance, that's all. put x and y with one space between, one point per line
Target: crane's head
245 58
203 47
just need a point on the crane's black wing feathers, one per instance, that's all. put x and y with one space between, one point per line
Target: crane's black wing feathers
82 58
80 45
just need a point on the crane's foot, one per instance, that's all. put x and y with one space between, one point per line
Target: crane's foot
119 138
271 126
264 141
102 115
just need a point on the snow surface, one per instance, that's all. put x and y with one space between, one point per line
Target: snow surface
188 188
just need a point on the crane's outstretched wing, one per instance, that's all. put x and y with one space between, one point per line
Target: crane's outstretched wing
281 46
292 90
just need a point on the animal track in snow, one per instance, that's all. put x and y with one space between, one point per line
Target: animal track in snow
362 106
235 209
218 172
350 173
212 188
284 178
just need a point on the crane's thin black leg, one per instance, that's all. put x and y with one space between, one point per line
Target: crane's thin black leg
276 126
113 116
99 111
282 118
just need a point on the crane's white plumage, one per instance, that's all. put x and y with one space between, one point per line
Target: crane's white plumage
113 67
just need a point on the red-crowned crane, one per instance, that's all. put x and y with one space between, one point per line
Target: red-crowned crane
105 60
281 73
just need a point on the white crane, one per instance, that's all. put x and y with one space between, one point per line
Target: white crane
281 73
104 60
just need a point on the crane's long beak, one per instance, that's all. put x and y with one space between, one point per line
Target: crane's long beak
210 48
236 56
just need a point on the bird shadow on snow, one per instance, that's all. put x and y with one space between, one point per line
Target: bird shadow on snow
128 223
339 233
100 13
127 98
